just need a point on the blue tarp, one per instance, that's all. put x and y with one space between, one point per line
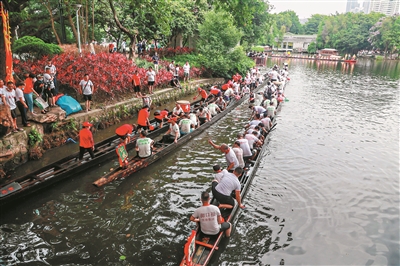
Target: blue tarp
69 104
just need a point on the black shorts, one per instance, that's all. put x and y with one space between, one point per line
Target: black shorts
87 97
150 83
144 127
159 120
136 88
48 92
13 113
223 199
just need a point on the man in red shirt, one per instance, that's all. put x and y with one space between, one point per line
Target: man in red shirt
237 77
136 84
143 119
161 116
203 94
125 132
86 142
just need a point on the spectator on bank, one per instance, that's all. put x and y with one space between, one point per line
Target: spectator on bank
29 91
86 88
151 78
186 71
136 84
20 101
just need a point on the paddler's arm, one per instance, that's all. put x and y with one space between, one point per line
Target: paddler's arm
213 144
197 220
230 166
239 199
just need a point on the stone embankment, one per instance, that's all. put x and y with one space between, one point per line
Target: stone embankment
55 128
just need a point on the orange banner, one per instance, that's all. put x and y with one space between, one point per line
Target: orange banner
7 43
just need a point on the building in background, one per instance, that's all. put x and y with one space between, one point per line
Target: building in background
352 6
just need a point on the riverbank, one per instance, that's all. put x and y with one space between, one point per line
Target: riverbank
54 129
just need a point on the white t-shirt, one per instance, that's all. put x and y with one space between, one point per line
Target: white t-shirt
213 108
174 130
244 145
193 118
229 183
47 79
177 110
266 121
239 155
151 75
208 216
144 145
220 175
1 93
271 111
19 94
10 98
229 92
185 125
252 139
186 68
87 87
231 157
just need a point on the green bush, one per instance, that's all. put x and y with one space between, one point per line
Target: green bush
29 47
258 49
143 63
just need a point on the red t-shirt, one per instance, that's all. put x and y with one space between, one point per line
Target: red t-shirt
28 85
143 116
136 80
162 115
225 87
203 94
215 91
86 138
124 129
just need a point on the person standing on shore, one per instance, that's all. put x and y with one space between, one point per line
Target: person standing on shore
86 142
155 59
20 101
151 78
136 84
186 71
86 88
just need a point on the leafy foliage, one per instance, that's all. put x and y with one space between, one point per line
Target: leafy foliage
33 48
312 48
347 32
288 21
34 137
216 45
312 25
385 34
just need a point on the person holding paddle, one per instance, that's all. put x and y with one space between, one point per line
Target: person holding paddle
143 119
125 132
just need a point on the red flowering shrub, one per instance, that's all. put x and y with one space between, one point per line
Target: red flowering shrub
108 72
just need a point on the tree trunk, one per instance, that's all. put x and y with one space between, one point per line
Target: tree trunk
48 7
87 22
93 19
71 22
131 34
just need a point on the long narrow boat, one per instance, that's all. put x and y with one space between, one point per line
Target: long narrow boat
20 187
199 249
135 164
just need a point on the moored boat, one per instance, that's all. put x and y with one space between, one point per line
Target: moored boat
20 187
161 149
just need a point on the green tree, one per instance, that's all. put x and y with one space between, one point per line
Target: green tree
290 21
312 48
217 44
312 25
30 47
385 34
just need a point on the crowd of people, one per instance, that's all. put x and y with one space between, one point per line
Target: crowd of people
226 187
